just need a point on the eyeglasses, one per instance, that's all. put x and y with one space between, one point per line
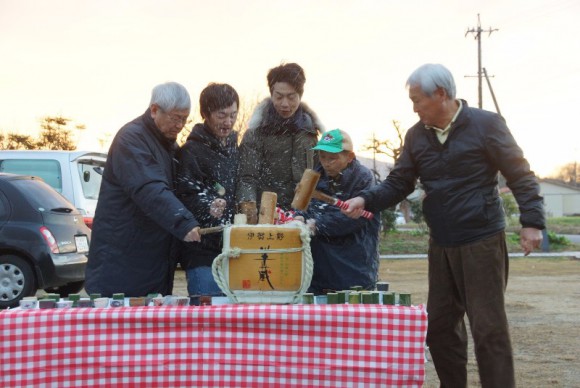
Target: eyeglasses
176 119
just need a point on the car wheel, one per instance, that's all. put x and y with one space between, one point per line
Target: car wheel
16 280
64 291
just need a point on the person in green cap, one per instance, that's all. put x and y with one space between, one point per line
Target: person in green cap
344 250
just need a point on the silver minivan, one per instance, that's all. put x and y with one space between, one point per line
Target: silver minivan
76 175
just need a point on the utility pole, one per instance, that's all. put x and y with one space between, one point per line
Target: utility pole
477 33
491 91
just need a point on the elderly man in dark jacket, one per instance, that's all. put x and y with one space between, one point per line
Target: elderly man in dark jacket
457 151
345 251
138 214
274 151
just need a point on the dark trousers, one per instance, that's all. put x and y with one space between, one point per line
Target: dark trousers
470 279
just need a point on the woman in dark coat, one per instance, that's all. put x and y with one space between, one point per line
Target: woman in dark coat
207 170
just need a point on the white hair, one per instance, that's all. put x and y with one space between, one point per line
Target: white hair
431 76
170 96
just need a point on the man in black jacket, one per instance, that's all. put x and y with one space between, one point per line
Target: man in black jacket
138 214
274 151
457 151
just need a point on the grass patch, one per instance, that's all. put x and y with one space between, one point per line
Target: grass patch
564 225
559 225
403 242
417 242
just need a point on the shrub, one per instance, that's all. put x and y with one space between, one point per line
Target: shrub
388 219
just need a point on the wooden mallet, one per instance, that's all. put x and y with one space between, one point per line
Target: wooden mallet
213 229
306 190
267 208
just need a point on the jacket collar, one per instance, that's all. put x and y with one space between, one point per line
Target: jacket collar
156 132
201 133
261 112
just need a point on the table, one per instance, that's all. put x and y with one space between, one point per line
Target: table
214 346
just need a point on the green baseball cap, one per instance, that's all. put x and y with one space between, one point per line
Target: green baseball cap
334 141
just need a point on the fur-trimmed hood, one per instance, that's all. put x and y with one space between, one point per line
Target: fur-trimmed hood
260 113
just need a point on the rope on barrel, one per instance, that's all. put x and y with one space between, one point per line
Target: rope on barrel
218 263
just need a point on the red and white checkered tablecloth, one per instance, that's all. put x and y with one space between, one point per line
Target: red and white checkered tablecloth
214 346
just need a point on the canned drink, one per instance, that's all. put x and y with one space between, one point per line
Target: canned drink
308 298
117 303
101 302
354 297
46 304
404 299
332 298
342 296
64 303
53 296
75 298
28 303
367 298
389 298
84 302
137 301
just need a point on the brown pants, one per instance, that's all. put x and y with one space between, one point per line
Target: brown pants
470 279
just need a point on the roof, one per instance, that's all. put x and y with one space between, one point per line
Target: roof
559 183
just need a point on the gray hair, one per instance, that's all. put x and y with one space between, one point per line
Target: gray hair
170 96
431 76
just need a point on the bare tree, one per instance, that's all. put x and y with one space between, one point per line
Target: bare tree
55 134
388 147
392 149
568 173
15 141
247 107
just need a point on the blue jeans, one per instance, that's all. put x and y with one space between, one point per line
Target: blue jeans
200 282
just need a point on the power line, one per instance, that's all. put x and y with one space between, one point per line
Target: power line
477 32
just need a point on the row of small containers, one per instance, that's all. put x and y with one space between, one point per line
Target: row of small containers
356 295
96 300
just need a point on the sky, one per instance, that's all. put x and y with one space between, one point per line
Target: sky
96 62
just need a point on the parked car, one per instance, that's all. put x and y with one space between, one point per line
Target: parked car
75 174
44 242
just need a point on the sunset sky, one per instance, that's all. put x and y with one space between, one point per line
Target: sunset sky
97 61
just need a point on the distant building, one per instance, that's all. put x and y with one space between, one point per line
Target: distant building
381 170
379 167
560 198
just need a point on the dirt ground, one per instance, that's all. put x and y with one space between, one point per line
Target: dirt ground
543 312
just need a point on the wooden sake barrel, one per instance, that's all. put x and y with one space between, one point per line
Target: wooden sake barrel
264 263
